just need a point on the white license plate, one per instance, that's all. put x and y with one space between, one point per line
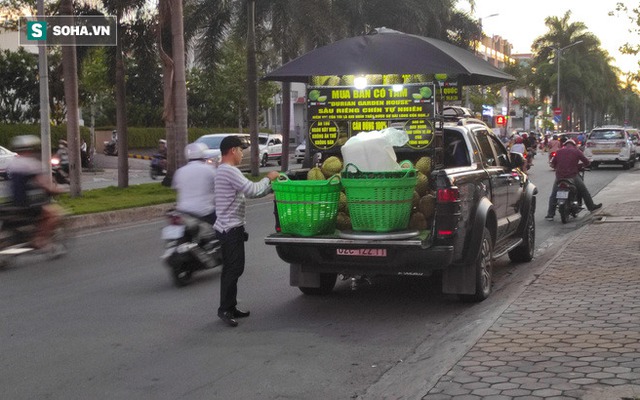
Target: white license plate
362 252
172 232
562 194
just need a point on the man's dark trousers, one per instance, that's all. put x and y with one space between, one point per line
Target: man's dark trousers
233 259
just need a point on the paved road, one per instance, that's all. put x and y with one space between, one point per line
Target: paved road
105 322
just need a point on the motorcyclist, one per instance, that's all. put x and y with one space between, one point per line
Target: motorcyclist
195 185
31 189
567 163
554 145
63 155
161 155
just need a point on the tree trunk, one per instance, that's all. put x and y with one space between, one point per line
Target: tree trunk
70 74
179 82
121 116
252 87
286 124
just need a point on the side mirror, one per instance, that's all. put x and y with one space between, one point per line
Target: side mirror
517 160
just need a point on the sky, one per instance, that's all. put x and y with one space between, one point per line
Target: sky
520 22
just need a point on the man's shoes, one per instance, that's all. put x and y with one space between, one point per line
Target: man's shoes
549 217
596 207
240 314
228 318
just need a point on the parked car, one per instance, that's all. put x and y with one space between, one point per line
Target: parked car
6 156
610 145
213 143
270 148
300 150
635 139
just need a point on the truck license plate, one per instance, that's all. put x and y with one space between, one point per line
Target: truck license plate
362 252
562 194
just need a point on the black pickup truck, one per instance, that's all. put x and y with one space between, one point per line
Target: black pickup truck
485 209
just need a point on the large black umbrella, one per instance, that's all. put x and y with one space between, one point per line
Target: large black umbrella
386 51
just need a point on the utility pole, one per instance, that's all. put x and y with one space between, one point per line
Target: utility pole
558 55
45 126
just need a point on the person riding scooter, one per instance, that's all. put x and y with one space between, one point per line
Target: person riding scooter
567 162
31 189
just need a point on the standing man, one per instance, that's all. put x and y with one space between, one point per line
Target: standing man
567 163
231 189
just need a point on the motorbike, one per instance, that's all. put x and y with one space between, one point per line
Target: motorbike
58 171
568 201
158 166
17 229
111 148
190 246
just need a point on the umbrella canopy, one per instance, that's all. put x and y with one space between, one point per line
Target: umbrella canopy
386 51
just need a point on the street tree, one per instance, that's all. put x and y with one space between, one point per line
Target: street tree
19 91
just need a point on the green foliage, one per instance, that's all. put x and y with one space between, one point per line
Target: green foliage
19 89
9 131
114 198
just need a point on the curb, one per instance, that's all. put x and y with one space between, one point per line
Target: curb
141 157
100 220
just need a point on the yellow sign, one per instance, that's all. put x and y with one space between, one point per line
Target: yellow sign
323 134
420 133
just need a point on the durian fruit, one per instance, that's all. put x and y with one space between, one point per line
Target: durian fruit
342 204
333 80
416 200
417 221
331 166
392 79
427 205
347 80
374 79
319 80
343 221
424 165
342 139
422 184
315 174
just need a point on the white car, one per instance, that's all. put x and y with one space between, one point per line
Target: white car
610 145
213 143
300 150
270 148
6 156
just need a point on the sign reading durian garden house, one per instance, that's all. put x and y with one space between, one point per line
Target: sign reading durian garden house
336 113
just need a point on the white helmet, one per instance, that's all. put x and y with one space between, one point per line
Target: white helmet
570 141
195 151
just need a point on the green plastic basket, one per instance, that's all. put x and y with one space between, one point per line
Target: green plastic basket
379 201
307 208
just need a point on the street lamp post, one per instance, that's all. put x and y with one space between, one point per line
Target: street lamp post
558 55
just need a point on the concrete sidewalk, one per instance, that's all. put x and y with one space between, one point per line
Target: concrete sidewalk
574 332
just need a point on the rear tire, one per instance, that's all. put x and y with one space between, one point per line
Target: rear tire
595 165
563 209
264 160
327 283
483 270
524 252
181 275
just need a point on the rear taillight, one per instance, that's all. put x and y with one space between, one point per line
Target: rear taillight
449 195
553 154
175 219
563 185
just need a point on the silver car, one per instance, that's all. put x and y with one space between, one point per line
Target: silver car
6 156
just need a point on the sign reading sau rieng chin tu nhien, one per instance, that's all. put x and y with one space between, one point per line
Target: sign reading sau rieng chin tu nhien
68 30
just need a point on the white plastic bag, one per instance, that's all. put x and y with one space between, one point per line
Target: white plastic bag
373 151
